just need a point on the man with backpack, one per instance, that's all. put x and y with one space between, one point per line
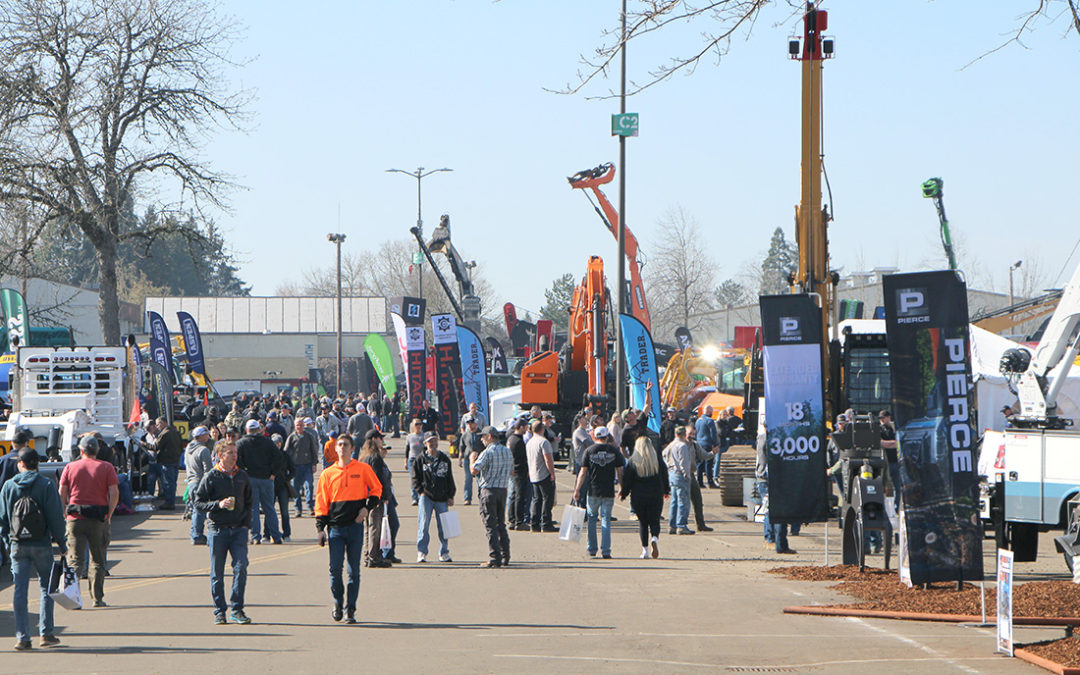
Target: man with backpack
31 518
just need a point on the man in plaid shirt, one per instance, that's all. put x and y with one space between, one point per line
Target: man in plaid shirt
492 470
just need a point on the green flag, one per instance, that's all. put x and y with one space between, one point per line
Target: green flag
379 353
15 312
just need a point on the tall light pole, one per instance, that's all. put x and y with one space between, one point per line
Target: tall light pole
620 303
338 239
419 175
1012 268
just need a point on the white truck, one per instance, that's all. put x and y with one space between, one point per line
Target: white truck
61 393
1037 468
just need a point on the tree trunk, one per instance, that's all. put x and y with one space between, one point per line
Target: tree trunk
108 299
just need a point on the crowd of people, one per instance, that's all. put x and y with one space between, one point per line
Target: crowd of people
250 474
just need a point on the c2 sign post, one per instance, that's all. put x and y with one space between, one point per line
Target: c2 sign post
625 124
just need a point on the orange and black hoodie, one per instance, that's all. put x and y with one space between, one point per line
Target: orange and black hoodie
342 492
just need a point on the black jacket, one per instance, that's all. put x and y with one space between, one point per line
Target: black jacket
382 472
434 477
169 446
258 456
429 419
521 460
217 485
643 490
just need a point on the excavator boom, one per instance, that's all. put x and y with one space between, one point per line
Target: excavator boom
592 179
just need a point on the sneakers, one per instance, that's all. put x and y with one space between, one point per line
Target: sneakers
219 620
100 603
350 616
655 548
685 530
238 616
445 558
788 551
672 530
198 541
414 502
704 528
335 613
49 641
421 557
606 556
285 539
491 564
644 552
23 646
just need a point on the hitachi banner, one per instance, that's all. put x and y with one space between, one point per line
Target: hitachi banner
447 372
794 408
926 319
413 358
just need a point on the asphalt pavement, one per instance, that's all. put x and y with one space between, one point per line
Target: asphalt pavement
705 605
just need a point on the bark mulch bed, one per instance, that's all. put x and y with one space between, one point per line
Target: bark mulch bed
881 590
1063 655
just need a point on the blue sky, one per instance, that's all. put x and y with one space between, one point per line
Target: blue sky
347 90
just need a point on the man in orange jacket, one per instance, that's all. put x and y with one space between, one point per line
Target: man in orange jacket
347 491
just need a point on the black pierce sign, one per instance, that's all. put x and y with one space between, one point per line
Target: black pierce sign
794 408
926 318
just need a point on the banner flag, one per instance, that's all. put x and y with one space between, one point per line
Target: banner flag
411 310
498 356
926 322
192 343
18 324
413 358
162 396
161 345
641 367
510 317
447 372
379 354
794 408
683 337
474 382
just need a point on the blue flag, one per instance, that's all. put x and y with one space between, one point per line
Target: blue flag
641 367
192 342
473 373
161 345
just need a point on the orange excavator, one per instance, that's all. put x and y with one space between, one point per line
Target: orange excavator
592 179
577 377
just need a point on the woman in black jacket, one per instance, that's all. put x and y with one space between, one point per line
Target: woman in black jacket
645 480
371 453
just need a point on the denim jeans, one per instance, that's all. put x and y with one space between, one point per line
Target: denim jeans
263 497
395 524
705 469
304 478
423 525
716 461
679 510
409 464
519 501
198 521
281 495
468 479
228 541
168 483
346 545
542 502
599 506
27 560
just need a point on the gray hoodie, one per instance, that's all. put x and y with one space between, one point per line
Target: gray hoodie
198 460
44 492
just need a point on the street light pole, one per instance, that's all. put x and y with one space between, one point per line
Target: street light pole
620 303
338 239
1012 268
419 175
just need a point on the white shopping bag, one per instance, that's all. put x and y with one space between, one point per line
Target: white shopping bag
572 523
64 586
451 527
386 540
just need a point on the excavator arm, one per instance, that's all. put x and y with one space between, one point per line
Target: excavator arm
592 179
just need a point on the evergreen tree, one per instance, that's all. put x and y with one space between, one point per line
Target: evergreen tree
779 262
557 300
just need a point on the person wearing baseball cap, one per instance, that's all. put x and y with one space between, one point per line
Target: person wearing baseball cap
433 479
601 465
198 459
260 459
492 468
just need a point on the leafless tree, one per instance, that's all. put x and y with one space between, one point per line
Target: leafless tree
102 99
680 277
710 25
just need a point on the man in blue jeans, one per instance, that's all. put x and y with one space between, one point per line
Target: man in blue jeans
31 544
261 460
224 494
601 466
705 432
679 458
433 479
169 448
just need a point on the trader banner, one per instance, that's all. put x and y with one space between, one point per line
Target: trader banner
447 372
161 345
926 321
641 367
473 372
794 408
192 343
